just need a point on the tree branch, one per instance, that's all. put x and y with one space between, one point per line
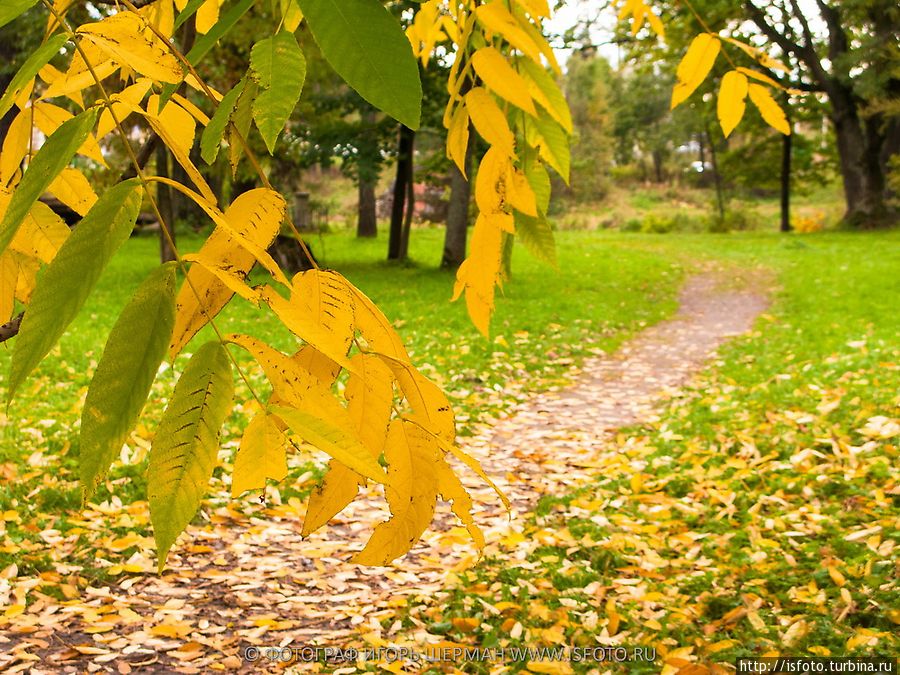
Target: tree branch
805 53
837 38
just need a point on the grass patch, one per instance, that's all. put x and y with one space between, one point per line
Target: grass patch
766 519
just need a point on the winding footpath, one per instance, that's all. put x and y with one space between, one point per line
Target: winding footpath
255 582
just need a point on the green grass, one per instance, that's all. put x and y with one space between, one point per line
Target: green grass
784 424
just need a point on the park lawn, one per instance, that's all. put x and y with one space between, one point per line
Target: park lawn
546 322
758 516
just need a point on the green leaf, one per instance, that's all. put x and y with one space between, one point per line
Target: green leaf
10 9
211 140
279 67
65 284
47 164
367 47
553 142
122 381
183 454
539 181
30 68
537 236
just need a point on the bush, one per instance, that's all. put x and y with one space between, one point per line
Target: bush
732 221
661 223
808 224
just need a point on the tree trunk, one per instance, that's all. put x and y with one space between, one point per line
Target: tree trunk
787 145
861 173
458 212
367 221
367 177
166 207
404 177
658 165
720 196
410 212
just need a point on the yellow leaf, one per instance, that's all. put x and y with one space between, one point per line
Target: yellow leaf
862 638
48 118
430 406
317 364
612 625
452 490
293 16
756 621
537 8
320 312
126 38
291 381
370 395
323 297
41 234
172 630
770 110
545 90
78 76
458 138
480 273
550 667
721 645
160 15
260 456
178 123
338 488
9 274
465 624
208 16
189 105
495 17
124 103
836 576
411 454
732 100
323 423
224 273
491 183
500 77
489 120
795 632
536 36
257 216
15 146
756 75
521 194
695 66
167 126
375 328
73 189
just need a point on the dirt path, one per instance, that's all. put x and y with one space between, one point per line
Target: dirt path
266 587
